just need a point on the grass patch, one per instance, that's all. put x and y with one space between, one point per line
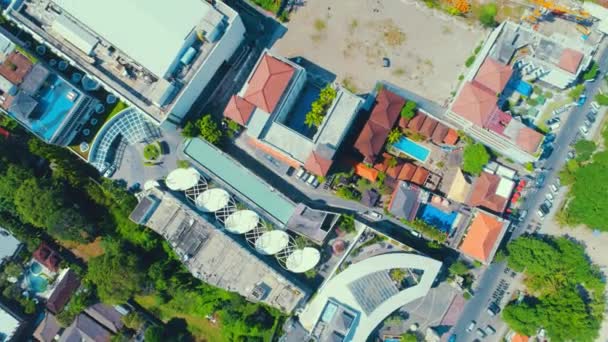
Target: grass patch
118 107
28 55
200 327
269 5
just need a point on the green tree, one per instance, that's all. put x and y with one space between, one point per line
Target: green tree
591 72
475 157
347 223
601 99
487 14
409 110
209 129
133 321
348 193
459 268
154 334
190 130
394 135
584 149
397 274
576 92
408 337
117 276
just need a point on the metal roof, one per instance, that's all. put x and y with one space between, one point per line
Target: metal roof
150 32
249 186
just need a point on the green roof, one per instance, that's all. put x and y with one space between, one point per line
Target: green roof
244 183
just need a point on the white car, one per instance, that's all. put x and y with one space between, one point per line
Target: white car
540 214
109 171
549 196
595 105
584 130
373 215
471 326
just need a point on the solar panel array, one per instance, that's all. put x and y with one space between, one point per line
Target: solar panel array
373 289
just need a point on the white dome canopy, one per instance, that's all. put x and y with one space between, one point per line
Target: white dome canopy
272 242
212 200
182 179
242 221
302 260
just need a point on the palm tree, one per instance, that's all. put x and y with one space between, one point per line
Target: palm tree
394 136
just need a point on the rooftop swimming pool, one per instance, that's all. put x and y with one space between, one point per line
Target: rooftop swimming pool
437 218
412 149
55 102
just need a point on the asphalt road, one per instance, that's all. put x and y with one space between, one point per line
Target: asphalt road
476 306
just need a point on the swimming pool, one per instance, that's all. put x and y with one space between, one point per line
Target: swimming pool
437 218
523 88
56 101
412 149
35 283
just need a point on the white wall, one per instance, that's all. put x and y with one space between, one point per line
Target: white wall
222 51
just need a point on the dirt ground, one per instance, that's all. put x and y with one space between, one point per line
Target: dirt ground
427 49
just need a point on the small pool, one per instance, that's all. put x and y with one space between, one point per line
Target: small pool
36 284
55 103
35 268
437 218
412 149
329 312
523 88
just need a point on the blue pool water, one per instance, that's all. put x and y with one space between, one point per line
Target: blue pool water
35 268
329 312
295 119
412 149
523 88
437 218
36 284
53 107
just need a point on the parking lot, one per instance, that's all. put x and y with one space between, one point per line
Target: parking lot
351 38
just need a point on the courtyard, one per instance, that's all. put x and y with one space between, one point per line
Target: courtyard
351 38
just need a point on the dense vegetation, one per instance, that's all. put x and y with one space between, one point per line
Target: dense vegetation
588 197
46 193
320 107
475 157
566 292
205 127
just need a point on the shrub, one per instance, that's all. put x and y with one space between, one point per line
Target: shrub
601 99
469 61
475 157
320 106
487 14
409 110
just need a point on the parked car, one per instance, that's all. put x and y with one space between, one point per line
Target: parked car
595 105
311 179
548 203
549 196
571 154
493 309
416 233
544 208
587 123
480 333
584 130
523 214
489 330
471 326
541 214
373 215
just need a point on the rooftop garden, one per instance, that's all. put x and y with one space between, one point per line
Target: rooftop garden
320 107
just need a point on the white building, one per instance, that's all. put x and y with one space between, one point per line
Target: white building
9 324
156 55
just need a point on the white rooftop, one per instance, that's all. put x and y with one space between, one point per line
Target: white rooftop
151 32
8 325
8 245
505 186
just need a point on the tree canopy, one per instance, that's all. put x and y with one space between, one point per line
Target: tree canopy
116 275
487 14
209 129
409 110
567 291
475 157
584 149
320 107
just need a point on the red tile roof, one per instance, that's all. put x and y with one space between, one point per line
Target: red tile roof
47 256
482 235
383 164
493 75
15 67
452 137
570 60
403 122
439 133
420 176
407 172
268 83
387 109
484 193
371 140
317 164
416 122
498 121
366 172
239 110
394 171
428 127
475 104
529 139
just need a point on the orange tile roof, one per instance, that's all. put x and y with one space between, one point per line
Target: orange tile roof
420 176
239 110
403 122
570 60
387 109
394 171
407 172
483 234
268 83
383 164
484 193
452 137
494 75
371 140
366 172
428 127
475 104
529 139
519 338
317 164
15 67
274 153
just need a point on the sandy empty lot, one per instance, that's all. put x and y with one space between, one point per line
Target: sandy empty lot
349 38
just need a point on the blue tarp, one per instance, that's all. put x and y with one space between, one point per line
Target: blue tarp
524 88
